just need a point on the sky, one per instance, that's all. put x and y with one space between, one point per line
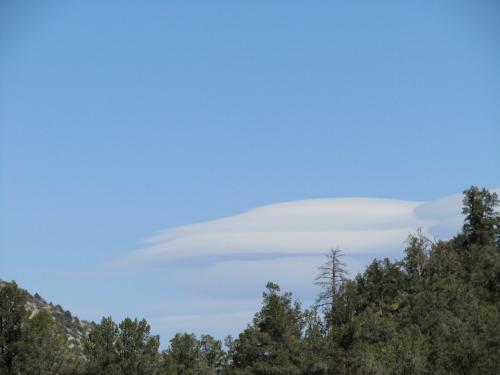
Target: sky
165 159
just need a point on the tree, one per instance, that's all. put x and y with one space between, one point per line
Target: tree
46 349
380 285
417 255
482 223
279 317
183 356
331 276
137 349
314 344
100 350
36 345
272 344
127 348
212 353
13 315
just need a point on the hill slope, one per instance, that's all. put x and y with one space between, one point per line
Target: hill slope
73 327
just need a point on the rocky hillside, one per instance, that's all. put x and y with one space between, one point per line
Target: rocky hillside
74 327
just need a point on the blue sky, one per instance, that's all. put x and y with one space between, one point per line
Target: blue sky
165 159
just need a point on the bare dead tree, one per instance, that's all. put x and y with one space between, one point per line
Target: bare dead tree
331 276
417 253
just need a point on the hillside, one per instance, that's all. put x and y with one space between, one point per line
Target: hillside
74 328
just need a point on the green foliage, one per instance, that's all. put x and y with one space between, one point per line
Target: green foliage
36 345
137 349
380 286
417 256
211 351
100 350
13 315
46 348
183 356
280 318
482 223
188 355
127 348
273 344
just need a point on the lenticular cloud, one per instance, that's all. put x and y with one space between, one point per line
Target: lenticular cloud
233 258
298 229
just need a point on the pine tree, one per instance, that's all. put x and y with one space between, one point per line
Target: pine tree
127 348
183 356
137 348
100 350
13 315
482 223
46 349
272 344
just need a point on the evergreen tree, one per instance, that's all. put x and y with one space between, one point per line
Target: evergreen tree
13 315
36 345
183 356
45 347
482 222
100 349
127 348
137 349
279 317
380 285
272 344
212 353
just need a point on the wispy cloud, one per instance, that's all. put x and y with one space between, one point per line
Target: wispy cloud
95 273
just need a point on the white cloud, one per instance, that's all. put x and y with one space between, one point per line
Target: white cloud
284 243
222 266
357 225
440 209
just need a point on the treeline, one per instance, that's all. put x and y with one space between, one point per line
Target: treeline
437 311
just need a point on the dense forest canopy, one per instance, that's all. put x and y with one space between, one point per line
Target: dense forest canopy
437 311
